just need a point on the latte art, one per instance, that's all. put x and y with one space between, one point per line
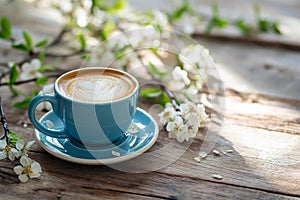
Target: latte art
97 87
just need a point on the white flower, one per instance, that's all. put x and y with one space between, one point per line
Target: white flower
47 89
168 114
197 59
7 151
180 79
65 6
81 17
187 23
177 129
23 147
141 36
188 109
28 168
160 18
192 127
203 117
30 70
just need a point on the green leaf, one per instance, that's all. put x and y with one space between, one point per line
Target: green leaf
155 71
19 45
34 93
99 4
118 5
163 99
81 40
46 68
22 104
5 28
216 20
13 75
42 56
149 93
28 40
41 81
263 25
110 8
276 29
179 11
243 27
220 23
107 29
13 138
86 56
42 43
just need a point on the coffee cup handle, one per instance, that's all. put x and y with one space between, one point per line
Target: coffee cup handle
52 132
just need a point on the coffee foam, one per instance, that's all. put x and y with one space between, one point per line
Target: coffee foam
96 85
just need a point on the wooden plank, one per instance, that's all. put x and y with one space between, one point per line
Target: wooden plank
76 181
264 163
264 156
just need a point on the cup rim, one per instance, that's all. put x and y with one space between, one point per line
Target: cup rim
56 88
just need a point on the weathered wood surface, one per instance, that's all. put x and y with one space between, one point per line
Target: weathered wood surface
261 126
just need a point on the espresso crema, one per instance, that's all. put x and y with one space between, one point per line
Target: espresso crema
96 85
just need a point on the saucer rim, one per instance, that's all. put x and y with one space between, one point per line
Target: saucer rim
117 159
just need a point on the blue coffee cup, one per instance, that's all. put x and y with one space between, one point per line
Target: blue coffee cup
91 123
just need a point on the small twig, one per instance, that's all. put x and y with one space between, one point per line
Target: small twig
53 55
58 38
30 80
4 123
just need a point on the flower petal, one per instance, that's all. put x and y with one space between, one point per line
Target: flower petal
36 167
11 155
172 134
178 120
180 137
2 144
170 126
26 67
34 175
36 64
23 178
20 144
2 155
29 144
25 161
18 169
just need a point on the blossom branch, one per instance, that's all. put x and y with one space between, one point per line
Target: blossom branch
30 80
59 37
3 122
168 92
71 54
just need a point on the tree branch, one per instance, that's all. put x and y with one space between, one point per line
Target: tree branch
30 80
59 37
4 123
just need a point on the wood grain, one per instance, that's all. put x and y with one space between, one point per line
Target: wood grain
261 126
264 164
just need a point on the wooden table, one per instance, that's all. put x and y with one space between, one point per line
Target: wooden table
261 126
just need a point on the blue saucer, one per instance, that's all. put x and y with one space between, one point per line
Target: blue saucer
140 137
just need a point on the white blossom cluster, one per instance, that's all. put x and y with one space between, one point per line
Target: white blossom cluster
28 168
184 124
196 62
